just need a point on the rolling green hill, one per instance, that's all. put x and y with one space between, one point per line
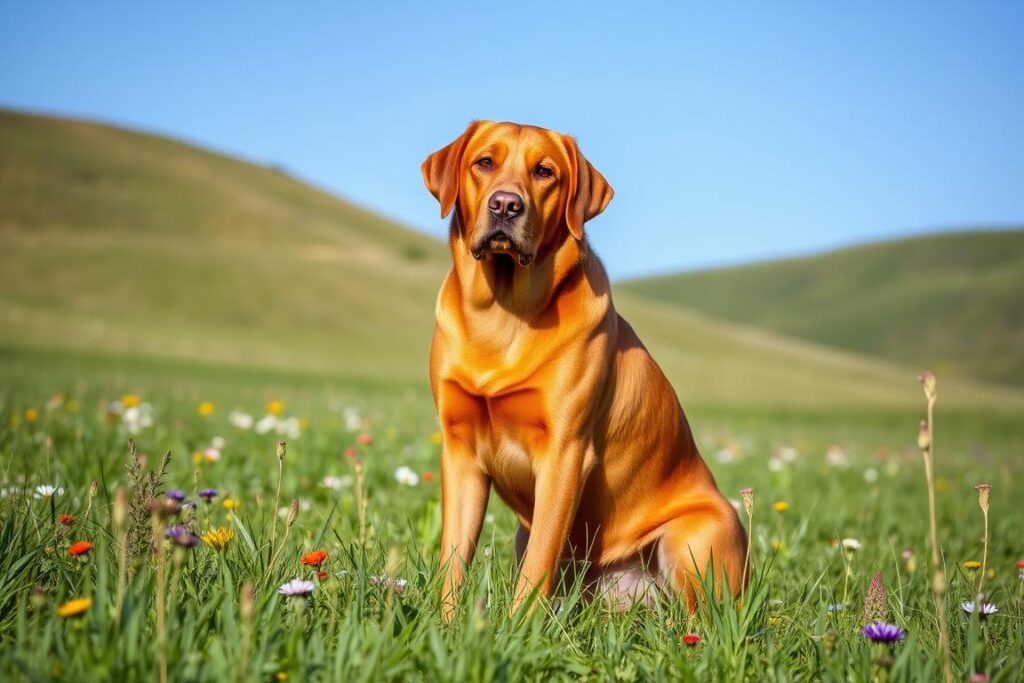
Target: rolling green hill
131 247
954 301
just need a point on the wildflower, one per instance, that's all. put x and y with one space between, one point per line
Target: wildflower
208 494
130 400
778 546
780 506
231 503
364 439
31 415
321 575
48 491
428 477
337 483
971 564
399 585
835 456
205 409
182 537
774 620
851 545
883 633
275 407
983 490
79 548
176 495
1020 569
406 477
240 420
218 538
691 639
314 558
979 677
73 608
835 607
378 580
436 438
351 453
211 454
218 442
66 520
353 421
987 608
296 587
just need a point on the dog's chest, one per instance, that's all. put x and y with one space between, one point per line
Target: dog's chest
510 442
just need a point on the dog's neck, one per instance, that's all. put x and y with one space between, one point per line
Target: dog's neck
498 283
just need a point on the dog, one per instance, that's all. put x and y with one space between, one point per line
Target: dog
544 392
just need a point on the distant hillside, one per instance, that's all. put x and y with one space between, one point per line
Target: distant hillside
132 243
954 302
125 245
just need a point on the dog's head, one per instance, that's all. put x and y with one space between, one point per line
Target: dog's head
519 190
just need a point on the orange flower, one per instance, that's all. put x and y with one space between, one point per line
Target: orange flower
315 558
66 519
73 608
364 439
428 477
80 548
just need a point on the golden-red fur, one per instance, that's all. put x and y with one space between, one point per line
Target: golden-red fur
546 393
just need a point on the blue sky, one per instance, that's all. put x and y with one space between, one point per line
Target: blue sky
729 133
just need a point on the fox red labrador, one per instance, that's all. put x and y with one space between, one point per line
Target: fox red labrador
546 393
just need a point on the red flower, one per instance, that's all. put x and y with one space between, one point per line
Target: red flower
351 452
315 558
691 639
1020 563
67 520
364 439
428 477
80 548
321 575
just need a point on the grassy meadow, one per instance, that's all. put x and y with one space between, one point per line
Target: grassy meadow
209 308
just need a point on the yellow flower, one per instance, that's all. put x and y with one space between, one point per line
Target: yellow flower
275 407
231 503
130 400
435 438
73 608
31 415
780 506
205 409
218 538
197 457
971 564
778 546
281 676
774 621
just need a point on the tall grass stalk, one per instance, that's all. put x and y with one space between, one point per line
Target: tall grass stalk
925 441
281 449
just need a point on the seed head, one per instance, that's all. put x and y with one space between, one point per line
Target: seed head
293 513
281 448
983 490
924 437
747 495
927 379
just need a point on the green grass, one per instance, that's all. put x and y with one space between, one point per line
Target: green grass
947 301
351 629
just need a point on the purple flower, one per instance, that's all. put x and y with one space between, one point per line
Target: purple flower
207 494
883 633
987 608
182 536
176 494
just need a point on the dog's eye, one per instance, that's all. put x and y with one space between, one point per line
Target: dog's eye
543 171
485 163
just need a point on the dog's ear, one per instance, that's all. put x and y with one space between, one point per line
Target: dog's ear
589 192
441 170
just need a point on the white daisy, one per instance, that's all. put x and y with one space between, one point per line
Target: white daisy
296 587
852 544
406 477
987 608
48 491
337 483
266 423
240 420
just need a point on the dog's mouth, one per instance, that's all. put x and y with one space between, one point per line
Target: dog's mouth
500 242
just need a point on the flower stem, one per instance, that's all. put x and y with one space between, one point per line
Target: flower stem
938 575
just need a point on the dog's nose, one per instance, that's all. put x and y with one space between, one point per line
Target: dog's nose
505 204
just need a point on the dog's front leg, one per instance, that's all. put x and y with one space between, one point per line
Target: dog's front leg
464 492
559 478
